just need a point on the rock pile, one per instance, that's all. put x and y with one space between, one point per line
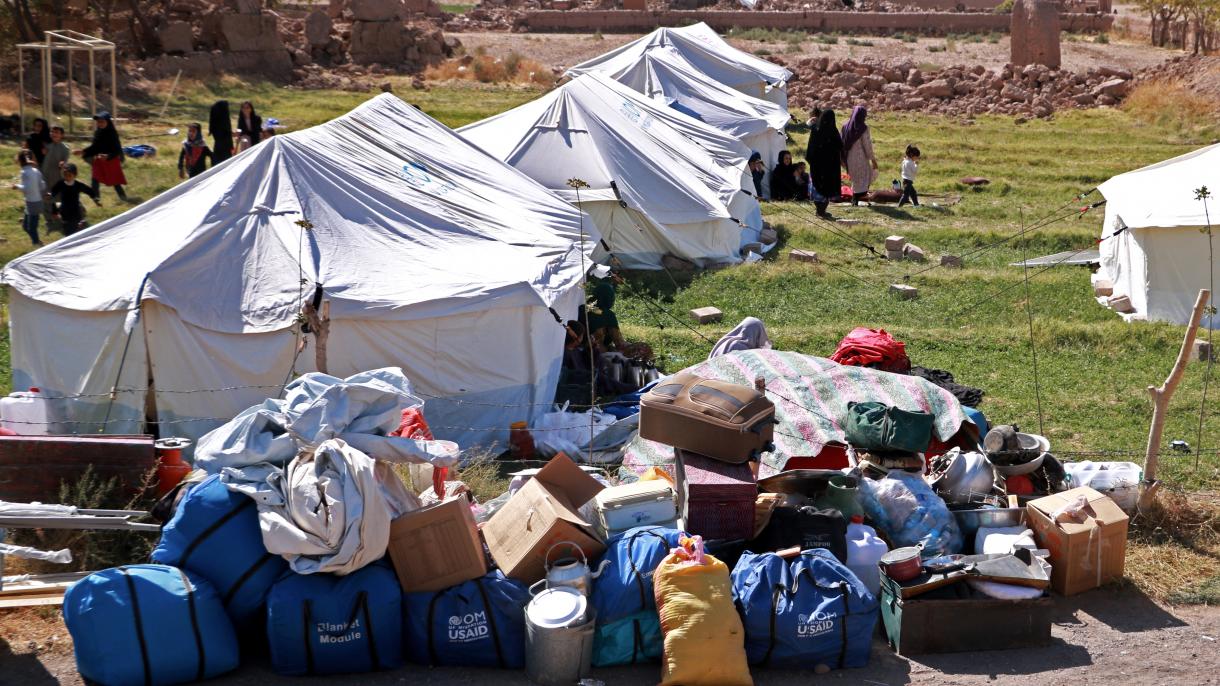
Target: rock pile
901 85
200 37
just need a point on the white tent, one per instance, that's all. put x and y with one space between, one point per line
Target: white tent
1152 249
665 75
710 54
434 257
652 190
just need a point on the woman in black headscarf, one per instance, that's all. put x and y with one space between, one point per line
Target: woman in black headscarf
220 128
39 139
783 180
105 155
249 126
824 156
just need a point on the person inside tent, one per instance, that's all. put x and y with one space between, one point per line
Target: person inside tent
603 322
750 334
38 140
858 154
105 156
783 179
195 154
249 126
758 171
220 128
68 191
825 159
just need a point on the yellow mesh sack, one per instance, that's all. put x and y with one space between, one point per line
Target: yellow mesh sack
704 639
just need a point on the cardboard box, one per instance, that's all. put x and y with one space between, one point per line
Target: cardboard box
437 547
544 512
1084 554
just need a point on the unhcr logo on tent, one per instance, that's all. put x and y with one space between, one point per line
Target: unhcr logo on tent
635 114
418 176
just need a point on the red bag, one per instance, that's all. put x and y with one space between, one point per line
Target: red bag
872 348
413 425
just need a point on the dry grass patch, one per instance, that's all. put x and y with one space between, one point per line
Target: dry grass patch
487 69
1174 549
1172 105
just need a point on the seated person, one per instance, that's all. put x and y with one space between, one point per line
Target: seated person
602 320
801 179
750 334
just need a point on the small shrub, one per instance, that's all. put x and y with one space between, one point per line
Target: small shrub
826 39
993 38
1004 7
597 35
937 48
489 71
762 52
860 42
512 63
1103 38
950 44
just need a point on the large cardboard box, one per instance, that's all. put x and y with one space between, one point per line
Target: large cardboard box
437 547
1087 551
544 512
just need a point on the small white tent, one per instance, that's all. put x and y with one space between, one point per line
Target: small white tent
1152 249
434 257
652 190
710 54
665 75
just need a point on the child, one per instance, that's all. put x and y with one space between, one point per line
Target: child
105 155
910 167
33 186
68 191
758 172
801 178
193 160
57 156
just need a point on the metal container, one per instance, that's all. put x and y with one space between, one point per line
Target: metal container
969 521
558 644
901 564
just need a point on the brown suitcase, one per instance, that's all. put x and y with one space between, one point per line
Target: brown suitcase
721 420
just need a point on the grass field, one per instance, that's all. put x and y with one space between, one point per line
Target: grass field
1093 368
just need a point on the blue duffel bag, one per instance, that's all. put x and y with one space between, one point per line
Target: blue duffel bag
148 625
628 641
215 534
328 624
805 612
624 586
478 623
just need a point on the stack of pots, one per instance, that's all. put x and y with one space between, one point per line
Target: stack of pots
559 622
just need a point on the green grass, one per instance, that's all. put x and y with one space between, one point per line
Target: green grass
1093 368
456 8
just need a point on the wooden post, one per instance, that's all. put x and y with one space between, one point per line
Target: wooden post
1161 396
70 113
320 325
114 86
93 87
21 88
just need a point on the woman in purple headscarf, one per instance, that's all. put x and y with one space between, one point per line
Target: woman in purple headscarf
858 154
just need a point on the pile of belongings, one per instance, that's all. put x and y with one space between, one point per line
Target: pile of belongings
877 349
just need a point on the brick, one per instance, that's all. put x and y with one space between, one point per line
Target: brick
1103 288
1203 351
904 292
803 256
950 261
706 315
893 254
895 243
1121 303
914 253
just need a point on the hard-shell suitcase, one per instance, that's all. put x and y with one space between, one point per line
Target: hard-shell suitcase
717 497
718 419
639 504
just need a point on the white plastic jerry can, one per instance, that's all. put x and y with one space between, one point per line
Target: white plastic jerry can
26 412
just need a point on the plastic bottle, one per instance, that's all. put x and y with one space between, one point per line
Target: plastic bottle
26 412
520 442
864 551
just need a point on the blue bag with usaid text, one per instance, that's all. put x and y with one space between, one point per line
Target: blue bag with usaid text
478 623
148 625
801 613
624 586
328 624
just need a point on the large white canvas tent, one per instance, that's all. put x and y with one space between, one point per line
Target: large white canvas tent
652 189
1152 249
710 54
666 76
434 257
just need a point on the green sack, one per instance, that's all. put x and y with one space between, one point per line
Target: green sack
877 426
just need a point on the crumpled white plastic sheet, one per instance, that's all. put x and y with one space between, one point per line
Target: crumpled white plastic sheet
361 410
567 432
62 557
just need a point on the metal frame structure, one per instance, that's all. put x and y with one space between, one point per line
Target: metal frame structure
70 42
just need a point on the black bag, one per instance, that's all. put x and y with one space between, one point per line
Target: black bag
877 426
806 527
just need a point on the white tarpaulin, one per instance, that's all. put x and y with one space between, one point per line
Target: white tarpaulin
651 190
409 230
1152 249
710 54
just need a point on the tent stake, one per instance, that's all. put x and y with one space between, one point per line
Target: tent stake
1160 400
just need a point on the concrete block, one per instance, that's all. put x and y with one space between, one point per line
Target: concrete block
768 235
706 315
914 253
1203 351
904 292
895 243
950 261
1103 288
893 254
1121 303
803 256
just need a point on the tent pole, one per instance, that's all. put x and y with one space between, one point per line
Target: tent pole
114 389
92 85
114 85
1160 401
70 127
21 89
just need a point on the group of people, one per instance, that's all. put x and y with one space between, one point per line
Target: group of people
830 151
196 155
48 179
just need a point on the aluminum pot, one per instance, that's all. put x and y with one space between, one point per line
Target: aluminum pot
901 564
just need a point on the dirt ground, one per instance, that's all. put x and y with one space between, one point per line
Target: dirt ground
563 50
1108 636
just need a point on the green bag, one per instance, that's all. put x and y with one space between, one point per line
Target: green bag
877 426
